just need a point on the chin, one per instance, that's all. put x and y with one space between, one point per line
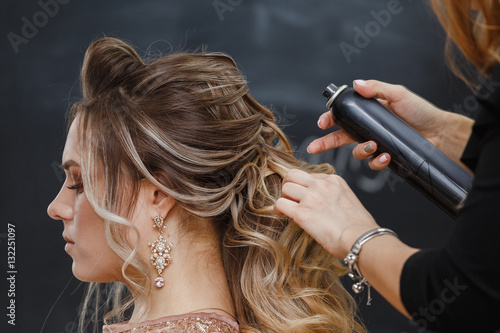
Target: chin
92 274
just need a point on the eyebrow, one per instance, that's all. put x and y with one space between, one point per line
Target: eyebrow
69 163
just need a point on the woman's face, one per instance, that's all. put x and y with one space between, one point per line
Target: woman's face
93 259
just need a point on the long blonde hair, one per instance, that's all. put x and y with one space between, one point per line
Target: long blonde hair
474 27
187 123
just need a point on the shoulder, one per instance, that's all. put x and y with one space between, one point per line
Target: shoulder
189 322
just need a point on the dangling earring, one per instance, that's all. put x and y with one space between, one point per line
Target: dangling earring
160 251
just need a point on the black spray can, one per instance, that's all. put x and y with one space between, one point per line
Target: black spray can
413 158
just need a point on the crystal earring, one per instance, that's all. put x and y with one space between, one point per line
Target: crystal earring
160 251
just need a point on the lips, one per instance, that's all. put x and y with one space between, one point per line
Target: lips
69 243
67 239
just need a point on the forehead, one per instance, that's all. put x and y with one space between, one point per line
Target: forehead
71 148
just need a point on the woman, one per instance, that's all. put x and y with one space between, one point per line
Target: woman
172 173
453 288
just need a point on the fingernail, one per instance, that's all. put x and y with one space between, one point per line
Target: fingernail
368 148
308 149
319 122
382 159
360 82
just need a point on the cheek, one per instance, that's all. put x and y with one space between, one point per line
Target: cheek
93 259
89 227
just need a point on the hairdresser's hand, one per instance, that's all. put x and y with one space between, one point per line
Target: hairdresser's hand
326 208
424 117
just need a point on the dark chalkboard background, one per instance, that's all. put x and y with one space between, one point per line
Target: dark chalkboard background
289 51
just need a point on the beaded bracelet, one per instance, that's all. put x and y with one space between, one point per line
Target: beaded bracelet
352 260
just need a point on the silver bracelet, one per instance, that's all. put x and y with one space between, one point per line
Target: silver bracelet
352 260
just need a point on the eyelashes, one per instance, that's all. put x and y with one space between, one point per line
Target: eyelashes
75 177
77 187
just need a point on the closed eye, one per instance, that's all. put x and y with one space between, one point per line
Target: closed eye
77 187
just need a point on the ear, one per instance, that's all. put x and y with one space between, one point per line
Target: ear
160 202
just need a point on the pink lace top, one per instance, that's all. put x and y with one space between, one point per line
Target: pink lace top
189 322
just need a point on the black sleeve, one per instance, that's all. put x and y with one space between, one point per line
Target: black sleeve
456 288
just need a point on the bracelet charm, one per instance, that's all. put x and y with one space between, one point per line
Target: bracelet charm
351 260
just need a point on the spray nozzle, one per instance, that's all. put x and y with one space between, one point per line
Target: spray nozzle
330 90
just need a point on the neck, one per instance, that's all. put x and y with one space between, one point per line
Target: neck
195 281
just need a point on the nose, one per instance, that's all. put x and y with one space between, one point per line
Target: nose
61 208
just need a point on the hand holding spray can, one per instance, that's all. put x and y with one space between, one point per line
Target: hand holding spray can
413 158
